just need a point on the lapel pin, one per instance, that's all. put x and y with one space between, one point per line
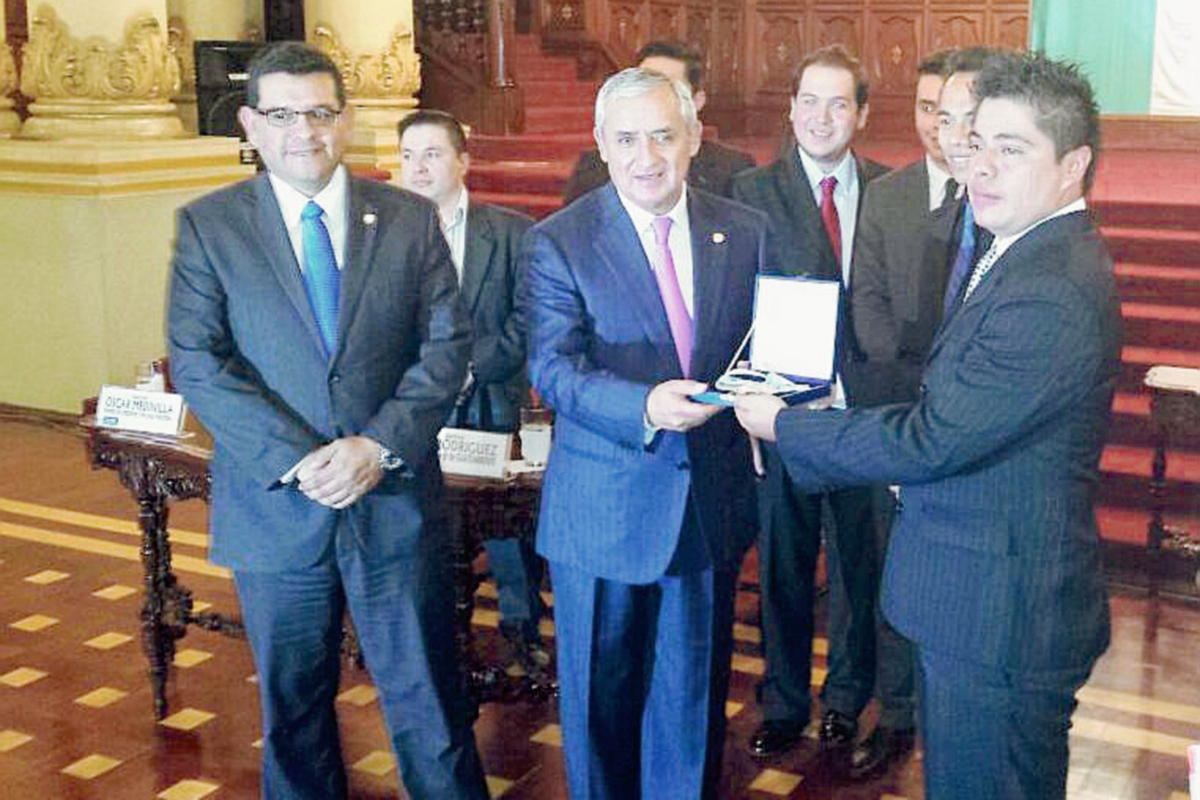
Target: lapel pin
718 238
369 218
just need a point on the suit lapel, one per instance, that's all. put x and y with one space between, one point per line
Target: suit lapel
278 252
631 278
804 214
477 256
710 268
361 231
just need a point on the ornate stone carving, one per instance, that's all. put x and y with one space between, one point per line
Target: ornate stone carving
8 72
394 73
181 43
140 69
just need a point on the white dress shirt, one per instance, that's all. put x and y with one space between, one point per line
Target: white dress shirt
679 240
334 201
845 199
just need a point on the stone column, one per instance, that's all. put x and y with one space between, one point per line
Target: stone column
372 42
190 21
10 123
100 70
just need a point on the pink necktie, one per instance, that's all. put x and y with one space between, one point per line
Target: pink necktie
829 216
672 297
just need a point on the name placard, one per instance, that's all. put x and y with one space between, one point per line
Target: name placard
478 453
135 410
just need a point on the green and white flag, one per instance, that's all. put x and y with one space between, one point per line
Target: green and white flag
1142 56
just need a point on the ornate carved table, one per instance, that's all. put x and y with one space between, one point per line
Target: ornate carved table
1175 410
158 470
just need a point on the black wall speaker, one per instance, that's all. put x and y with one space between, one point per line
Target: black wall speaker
222 72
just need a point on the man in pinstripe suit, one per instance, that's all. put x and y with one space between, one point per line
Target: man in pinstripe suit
994 569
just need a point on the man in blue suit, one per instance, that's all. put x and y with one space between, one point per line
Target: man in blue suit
315 328
639 293
483 242
994 567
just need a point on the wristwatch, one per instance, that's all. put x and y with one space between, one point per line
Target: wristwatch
389 461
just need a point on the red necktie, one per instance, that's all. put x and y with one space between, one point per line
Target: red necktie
829 216
668 286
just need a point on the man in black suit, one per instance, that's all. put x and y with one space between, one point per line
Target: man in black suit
896 306
715 164
994 567
315 328
812 196
483 242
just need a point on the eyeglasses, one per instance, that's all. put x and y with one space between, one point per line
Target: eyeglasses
319 117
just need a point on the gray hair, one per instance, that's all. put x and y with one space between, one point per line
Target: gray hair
636 82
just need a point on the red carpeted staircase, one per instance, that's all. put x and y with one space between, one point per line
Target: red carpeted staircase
527 171
1155 242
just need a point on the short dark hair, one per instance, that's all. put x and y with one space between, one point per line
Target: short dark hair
294 58
935 62
694 67
968 59
440 119
1064 106
834 55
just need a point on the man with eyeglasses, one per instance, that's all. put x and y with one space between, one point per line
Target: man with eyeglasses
315 328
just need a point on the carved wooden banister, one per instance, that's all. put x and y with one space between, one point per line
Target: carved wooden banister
467 48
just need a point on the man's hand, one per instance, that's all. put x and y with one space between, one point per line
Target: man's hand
340 473
757 414
669 406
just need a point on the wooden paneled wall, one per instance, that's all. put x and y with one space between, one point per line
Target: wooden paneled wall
751 46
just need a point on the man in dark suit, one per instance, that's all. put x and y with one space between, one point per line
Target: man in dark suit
896 306
483 242
315 328
994 569
639 293
812 195
714 165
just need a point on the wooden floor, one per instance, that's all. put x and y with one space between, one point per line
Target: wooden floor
76 718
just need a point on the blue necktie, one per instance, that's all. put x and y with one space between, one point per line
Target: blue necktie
962 259
320 274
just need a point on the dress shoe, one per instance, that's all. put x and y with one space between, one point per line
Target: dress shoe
876 753
526 648
837 737
775 736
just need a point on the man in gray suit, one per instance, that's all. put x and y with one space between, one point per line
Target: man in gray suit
483 242
315 328
994 567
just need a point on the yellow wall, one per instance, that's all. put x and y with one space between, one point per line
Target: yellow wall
87 232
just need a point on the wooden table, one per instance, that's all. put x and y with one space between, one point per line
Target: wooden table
1175 411
159 470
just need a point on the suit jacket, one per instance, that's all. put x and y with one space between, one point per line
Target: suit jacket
797 243
246 354
995 557
489 292
901 258
599 341
712 170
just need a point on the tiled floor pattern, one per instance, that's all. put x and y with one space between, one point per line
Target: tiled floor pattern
76 718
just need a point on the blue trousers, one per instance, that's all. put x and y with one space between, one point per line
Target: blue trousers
644 674
402 616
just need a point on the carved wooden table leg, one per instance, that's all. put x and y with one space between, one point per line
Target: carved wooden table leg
161 604
1158 493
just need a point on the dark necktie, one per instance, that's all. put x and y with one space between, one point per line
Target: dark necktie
321 277
963 257
829 216
668 286
950 196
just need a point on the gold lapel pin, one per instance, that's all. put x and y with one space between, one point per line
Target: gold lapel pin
718 238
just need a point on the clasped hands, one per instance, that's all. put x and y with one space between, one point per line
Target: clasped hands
338 474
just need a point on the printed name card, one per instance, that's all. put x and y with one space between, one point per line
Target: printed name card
135 410
478 453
